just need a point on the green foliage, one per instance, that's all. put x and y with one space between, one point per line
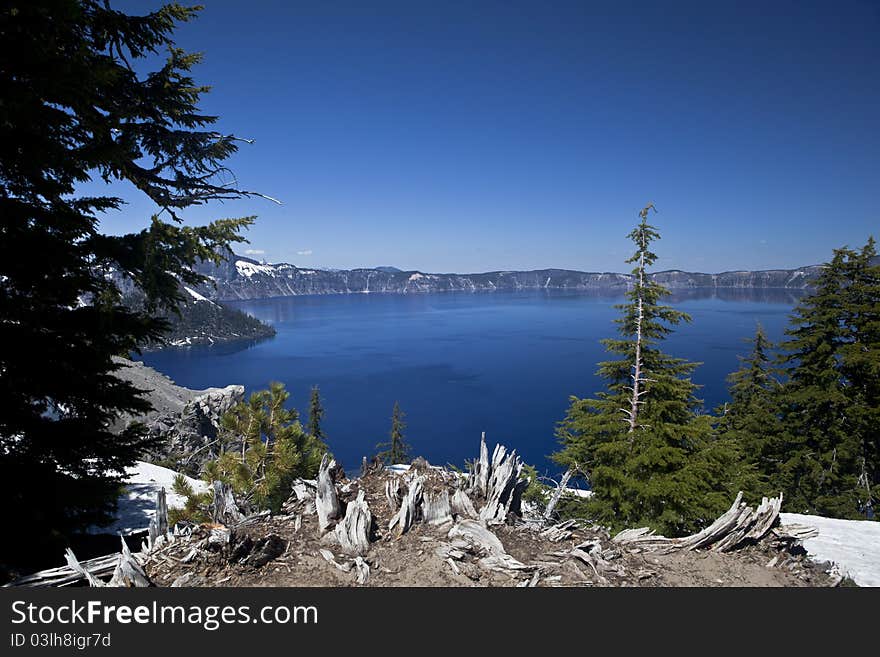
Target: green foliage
536 492
652 458
316 414
195 508
264 448
79 103
395 450
751 420
829 404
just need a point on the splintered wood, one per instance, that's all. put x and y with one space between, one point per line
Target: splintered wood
498 482
408 513
224 509
326 501
353 532
738 526
462 517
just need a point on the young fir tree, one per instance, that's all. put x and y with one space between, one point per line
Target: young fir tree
264 449
316 414
751 419
830 403
395 450
79 104
649 455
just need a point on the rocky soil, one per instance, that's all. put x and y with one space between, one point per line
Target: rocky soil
290 550
185 421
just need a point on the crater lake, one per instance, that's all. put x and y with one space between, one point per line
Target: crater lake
505 362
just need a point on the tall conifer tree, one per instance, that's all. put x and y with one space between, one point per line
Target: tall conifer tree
78 105
751 419
830 403
649 455
396 450
316 414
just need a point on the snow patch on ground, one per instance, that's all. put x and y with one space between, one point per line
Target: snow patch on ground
137 505
579 492
854 545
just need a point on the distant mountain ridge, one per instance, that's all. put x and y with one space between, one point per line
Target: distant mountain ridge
238 277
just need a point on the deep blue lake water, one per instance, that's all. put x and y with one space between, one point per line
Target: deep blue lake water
459 364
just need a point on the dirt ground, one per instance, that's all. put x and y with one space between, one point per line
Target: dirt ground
412 559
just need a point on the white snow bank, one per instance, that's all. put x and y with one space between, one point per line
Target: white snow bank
854 545
579 492
137 505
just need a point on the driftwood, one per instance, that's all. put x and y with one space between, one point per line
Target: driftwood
481 542
409 507
304 489
67 574
740 525
559 532
794 534
436 509
392 493
462 505
76 567
480 474
362 570
557 494
129 573
498 482
326 502
361 567
353 531
504 488
124 569
159 522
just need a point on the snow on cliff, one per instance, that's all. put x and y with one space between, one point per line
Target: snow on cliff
195 295
248 269
854 545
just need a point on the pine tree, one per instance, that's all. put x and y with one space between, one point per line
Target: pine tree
751 419
395 450
650 457
830 400
77 105
316 414
264 449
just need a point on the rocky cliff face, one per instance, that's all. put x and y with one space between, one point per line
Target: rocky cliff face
244 278
200 320
185 421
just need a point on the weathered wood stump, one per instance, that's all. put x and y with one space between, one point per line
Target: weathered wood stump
326 501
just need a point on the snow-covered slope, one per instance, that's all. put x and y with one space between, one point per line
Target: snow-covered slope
854 545
137 506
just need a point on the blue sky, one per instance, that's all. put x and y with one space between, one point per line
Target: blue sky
473 136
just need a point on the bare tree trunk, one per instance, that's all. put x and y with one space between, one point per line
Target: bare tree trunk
224 508
554 499
326 502
637 369
353 531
